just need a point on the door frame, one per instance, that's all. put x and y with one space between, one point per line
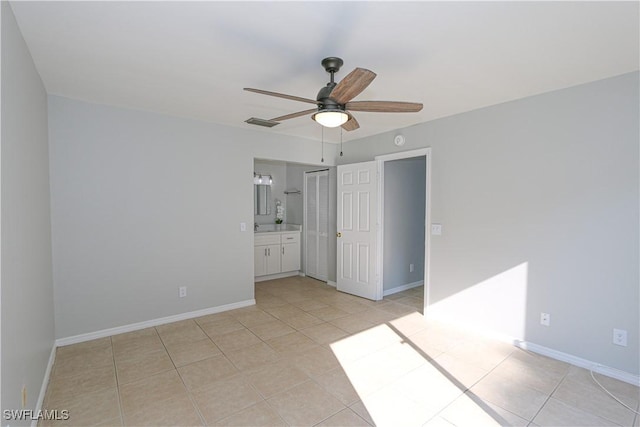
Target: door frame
427 220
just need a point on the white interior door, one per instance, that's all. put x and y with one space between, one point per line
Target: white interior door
357 230
316 224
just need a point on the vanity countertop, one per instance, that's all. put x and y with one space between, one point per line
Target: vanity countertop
277 228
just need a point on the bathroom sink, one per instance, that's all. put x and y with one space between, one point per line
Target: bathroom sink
270 228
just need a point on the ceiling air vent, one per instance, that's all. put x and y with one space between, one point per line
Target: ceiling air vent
261 122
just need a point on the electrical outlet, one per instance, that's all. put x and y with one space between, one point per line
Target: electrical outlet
411 268
182 291
545 319
620 337
436 229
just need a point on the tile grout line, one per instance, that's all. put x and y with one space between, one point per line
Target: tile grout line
239 373
275 411
115 368
549 397
468 388
189 396
242 374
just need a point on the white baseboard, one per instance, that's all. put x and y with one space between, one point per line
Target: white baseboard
332 283
301 274
580 362
402 288
45 384
275 276
548 352
149 323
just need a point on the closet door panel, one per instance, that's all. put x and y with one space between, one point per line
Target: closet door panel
323 223
316 224
311 225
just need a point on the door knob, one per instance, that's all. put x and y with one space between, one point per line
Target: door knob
338 234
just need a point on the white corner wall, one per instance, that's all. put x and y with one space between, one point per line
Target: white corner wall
539 201
143 203
26 278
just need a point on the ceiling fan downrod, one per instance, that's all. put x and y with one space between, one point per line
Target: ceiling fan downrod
331 65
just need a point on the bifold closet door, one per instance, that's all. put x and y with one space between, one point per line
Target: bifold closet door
316 223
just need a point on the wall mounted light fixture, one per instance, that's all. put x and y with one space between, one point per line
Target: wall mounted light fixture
260 179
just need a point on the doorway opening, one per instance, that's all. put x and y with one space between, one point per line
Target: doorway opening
361 225
284 185
404 209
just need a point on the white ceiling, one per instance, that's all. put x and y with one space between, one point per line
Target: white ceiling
192 59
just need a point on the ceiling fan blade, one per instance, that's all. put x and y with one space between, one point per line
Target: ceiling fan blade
351 124
352 85
294 115
384 106
281 95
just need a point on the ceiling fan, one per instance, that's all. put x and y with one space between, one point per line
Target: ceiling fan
334 101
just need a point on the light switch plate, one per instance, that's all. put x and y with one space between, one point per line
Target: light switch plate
436 229
243 226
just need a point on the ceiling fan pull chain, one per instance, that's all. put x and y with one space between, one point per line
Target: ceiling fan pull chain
340 142
322 158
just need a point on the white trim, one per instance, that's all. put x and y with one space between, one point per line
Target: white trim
546 351
303 234
45 383
401 288
380 231
275 276
616 374
427 213
404 154
149 323
332 283
301 274
580 362
427 235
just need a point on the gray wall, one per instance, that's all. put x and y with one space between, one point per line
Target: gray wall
539 201
27 284
404 218
143 203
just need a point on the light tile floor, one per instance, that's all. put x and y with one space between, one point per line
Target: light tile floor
308 355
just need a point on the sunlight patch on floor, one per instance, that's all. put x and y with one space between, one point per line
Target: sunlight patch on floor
397 378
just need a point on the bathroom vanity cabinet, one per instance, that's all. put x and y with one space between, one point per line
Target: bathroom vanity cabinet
276 252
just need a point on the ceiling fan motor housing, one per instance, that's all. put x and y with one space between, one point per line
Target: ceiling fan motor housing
332 64
324 95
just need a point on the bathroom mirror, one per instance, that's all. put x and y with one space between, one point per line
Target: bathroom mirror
261 199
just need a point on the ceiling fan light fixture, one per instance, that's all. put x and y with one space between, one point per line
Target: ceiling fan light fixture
331 118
